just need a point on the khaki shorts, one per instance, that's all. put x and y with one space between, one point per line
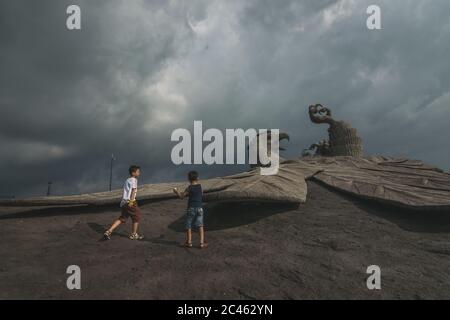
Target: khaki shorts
132 212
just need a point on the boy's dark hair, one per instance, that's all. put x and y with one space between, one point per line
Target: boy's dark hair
193 176
133 169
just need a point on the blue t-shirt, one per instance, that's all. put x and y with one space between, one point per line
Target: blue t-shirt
195 196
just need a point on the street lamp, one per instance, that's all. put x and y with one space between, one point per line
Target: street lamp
49 188
111 172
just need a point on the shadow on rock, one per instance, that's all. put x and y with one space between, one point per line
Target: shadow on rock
423 221
220 216
100 229
40 212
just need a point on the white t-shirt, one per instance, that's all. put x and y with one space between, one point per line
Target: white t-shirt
128 186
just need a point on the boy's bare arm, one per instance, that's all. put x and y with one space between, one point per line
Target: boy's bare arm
133 194
179 194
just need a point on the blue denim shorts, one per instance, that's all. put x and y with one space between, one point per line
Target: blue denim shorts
194 217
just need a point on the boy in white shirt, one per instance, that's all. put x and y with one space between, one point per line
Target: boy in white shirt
129 206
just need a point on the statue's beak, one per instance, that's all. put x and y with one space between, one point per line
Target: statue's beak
283 136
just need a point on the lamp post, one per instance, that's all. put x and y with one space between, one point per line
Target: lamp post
49 188
111 172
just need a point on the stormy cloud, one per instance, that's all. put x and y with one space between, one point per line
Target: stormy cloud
137 70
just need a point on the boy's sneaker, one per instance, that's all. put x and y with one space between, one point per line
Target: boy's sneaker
135 236
107 235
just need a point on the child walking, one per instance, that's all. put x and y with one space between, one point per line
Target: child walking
194 214
130 208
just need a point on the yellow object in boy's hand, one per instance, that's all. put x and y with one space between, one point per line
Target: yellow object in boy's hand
132 203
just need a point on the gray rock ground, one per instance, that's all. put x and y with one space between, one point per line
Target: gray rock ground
319 250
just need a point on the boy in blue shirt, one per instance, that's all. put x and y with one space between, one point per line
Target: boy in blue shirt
194 214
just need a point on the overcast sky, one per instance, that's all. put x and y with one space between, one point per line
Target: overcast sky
140 69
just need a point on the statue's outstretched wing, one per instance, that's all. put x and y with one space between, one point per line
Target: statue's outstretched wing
400 182
287 186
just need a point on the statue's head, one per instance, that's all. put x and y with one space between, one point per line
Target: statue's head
320 114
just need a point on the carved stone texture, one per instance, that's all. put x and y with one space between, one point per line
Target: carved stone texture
343 139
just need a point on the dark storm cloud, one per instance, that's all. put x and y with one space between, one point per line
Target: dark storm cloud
139 69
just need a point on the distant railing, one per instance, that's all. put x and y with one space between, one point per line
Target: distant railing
7 197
